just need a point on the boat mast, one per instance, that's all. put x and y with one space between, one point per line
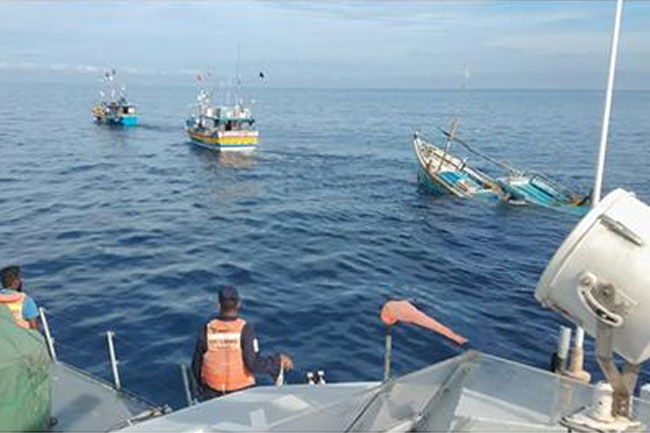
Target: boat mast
237 76
600 167
578 351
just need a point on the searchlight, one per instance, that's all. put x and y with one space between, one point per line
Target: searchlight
599 279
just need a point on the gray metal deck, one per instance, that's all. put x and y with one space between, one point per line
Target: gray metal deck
471 393
83 403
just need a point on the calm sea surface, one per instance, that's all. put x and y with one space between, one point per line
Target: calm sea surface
133 230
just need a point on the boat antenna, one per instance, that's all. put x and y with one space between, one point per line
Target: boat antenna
237 74
238 58
466 77
577 356
600 167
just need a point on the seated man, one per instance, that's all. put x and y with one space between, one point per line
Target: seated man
22 307
227 353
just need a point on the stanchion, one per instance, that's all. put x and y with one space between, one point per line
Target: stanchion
186 385
48 335
388 353
114 362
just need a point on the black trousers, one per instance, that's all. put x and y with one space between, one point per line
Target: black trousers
205 393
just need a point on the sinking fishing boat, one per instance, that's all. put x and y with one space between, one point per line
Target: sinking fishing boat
445 173
223 128
114 108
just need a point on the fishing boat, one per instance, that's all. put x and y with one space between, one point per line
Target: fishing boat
114 108
221 127
445 173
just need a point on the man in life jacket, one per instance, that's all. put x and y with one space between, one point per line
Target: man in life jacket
227 353
22 307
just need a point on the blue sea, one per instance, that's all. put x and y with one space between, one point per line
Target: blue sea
133 230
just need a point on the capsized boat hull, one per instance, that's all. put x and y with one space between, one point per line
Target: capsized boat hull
445 173
224 140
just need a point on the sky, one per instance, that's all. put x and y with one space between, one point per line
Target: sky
380 44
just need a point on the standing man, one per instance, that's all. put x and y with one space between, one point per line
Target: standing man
227 353
22 307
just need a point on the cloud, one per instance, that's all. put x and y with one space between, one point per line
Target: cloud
366 43
542 43
88 69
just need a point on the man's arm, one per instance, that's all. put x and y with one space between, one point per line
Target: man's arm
255 362
30 312
199 350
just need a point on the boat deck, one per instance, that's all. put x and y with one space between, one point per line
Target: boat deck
82 403
445 173
472 392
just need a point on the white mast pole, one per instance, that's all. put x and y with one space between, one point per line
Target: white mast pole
600 168
578 352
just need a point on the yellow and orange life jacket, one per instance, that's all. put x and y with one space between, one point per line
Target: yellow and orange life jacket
223 362
15 301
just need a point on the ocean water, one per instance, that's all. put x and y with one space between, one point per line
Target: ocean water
133 230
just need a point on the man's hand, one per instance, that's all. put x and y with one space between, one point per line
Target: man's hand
460 340
286 363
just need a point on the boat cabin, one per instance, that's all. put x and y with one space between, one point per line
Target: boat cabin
219 119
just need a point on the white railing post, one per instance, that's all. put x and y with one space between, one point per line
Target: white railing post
279 381
563 343
576 361
114 362
186 385
600 166
48 335
388 349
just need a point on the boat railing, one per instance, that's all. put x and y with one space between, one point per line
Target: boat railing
458 164
55 347
554 184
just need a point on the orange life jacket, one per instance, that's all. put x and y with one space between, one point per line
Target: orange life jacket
223 362
15 301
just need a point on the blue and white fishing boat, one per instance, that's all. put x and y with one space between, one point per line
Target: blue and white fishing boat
114 108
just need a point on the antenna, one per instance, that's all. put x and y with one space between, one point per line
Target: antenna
238 58
237 88
600 167
577 370
466 77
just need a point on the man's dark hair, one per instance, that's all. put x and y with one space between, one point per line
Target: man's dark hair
228 304
9 274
